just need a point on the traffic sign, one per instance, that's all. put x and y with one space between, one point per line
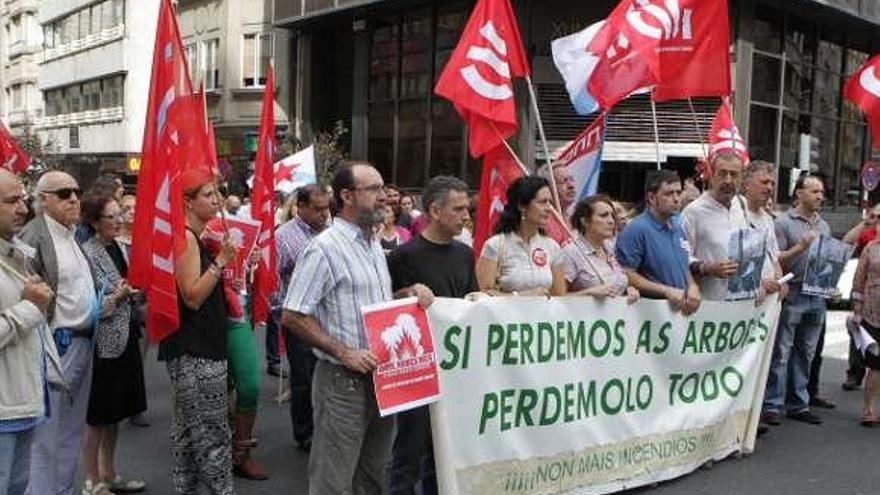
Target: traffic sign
871 175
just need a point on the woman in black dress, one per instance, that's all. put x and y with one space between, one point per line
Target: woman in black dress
117 390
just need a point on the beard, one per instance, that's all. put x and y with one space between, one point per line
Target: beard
367 217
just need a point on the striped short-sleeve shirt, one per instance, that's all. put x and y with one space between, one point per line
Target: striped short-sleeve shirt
338 273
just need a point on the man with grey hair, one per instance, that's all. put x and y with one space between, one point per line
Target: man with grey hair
27 357
433 258
60 261
759 187
565 186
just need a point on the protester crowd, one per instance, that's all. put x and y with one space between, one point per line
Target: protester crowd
71 328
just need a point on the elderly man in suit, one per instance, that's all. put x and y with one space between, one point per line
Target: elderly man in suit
60 261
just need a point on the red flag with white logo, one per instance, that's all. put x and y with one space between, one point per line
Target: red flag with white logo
725 136
863 89
500 169
263 206
173 146
12 157
478 79
627 58
693 54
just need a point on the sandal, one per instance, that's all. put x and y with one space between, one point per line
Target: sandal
868 420
92 488
118 485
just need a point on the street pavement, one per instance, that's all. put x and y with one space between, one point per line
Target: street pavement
837 458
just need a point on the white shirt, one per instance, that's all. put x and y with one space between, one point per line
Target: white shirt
523 265
75 296
707 224
764 222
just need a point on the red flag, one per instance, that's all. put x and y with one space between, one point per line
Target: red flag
627 60
500 169
263 206
863 89
12 157
171 148
725 136
478 77
693 55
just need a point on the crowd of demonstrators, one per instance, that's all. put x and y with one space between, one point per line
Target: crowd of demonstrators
520 259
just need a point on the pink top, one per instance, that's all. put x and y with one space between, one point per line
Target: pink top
867 283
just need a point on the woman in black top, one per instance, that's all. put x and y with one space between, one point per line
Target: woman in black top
195 354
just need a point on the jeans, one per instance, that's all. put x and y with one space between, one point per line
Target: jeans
15 459
302 367
816 365
800 326
273 329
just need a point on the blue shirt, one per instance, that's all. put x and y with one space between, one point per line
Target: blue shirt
657 251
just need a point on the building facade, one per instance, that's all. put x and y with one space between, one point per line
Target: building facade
94 77
373 64
20 51
229 45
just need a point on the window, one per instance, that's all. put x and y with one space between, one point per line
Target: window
85 23
191 50
92 95
209 67
17 96
256 56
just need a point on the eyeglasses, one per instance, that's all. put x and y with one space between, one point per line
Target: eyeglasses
65 192
375 188
115 216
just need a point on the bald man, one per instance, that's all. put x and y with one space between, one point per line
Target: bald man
25 342
60 261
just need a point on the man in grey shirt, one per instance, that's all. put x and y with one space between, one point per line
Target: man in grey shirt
803 316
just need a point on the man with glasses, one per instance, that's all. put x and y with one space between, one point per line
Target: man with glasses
60 261
340 271
26 357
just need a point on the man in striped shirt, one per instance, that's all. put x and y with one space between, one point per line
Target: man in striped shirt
341 270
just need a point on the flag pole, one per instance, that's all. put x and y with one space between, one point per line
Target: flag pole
543 136
656 130
697 127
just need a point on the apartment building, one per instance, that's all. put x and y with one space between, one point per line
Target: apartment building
94 77
20 51
229 45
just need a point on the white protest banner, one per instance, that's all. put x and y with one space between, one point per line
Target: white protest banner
580 396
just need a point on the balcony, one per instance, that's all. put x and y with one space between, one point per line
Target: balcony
89 117
21 47
15 7
82 44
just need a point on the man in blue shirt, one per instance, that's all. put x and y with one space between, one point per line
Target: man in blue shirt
654 250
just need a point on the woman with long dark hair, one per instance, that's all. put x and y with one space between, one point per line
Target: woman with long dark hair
520 259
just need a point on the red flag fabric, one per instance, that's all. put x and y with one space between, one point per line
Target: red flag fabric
500 169
12 157
725 136
863 89
172 137
693 55
263 206
627 61
478 79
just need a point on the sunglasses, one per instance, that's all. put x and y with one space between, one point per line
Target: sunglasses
66 192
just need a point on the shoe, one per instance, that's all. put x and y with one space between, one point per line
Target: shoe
305 446
822 403
763 428
119 485
92 488
244 466
851 384
868 420
770 418
805 416
276 370
139 420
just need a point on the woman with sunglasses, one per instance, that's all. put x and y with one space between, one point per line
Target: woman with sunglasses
117 390
196 355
